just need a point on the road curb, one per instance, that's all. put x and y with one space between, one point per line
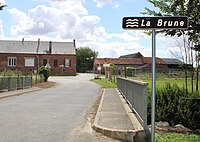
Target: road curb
18 92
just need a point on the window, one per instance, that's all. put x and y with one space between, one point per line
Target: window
67 63
44 62
29 62
12 61
55 63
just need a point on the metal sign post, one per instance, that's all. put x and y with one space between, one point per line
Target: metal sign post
153 86
153 23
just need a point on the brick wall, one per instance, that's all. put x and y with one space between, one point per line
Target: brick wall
54 60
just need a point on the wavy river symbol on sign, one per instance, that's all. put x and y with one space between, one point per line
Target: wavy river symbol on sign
132 23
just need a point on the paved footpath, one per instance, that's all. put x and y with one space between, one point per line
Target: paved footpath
47 115
115 119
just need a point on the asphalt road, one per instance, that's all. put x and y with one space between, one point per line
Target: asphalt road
48 115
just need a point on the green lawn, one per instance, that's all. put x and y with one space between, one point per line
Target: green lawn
172 137
161 82
105 83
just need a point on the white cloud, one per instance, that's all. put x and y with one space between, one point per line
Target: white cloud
20 21
130 35
17 15
101 3
63 22
68 0
115 5
70 6
58 23
101 34
2 2
124 36
42 21
69 19
61 0
114 49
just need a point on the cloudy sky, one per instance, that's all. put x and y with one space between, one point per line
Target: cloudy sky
92 23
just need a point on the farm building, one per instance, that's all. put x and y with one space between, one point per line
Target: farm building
28 56
139 63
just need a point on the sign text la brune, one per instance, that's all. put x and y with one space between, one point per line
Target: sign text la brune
180 22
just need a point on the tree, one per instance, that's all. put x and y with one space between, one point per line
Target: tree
2 6
85 59
189 8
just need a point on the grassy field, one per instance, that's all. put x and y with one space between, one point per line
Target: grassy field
161 83
163 79
172 137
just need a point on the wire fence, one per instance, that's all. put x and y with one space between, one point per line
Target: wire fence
9 83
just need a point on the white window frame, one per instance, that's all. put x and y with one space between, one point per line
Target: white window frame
67 63
12 61
29 61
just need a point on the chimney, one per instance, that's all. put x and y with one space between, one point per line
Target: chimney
23 41
50 47
38 46
74 43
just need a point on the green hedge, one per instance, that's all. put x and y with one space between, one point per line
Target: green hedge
45 72
11 73
175 107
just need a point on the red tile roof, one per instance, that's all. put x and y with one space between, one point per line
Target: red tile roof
119 61
148 60
128 61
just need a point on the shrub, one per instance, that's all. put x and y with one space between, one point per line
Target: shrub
167 101
45 71
175 107
189 111
10 73
37 78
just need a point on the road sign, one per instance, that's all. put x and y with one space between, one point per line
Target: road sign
155 22
99 68
106 65
48 66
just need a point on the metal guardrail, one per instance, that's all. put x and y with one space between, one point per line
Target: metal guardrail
135 93
9 83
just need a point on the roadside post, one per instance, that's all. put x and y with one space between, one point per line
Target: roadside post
106 66
62 68
99 69
154 23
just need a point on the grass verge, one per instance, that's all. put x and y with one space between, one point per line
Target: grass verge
105 83
47 84
173 137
